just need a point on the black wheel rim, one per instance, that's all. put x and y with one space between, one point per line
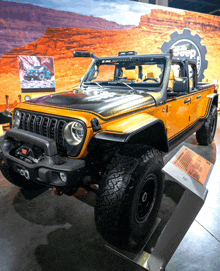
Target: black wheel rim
147 198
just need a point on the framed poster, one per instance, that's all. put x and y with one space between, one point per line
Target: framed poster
36 74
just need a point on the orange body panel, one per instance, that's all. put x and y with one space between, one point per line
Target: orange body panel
177 114
127 123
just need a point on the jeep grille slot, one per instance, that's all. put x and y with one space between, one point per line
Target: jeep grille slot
32 123
45 130
38 124
27 122
60 138
22 121
53 125
46 126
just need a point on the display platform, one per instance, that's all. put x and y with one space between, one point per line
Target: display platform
192 172
50 233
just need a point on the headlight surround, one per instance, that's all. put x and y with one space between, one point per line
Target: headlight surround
74 133
16 119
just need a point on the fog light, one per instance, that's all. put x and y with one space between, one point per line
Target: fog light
63 177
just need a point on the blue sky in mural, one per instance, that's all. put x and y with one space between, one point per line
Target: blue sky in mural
121 11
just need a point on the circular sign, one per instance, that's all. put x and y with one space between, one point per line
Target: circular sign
196 53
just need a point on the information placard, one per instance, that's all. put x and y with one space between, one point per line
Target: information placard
193 164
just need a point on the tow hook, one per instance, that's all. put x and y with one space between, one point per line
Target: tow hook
57 191
25 173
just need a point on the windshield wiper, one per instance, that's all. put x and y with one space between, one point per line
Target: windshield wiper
133 89
98 84
89 82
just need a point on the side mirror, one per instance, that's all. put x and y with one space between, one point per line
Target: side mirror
7 114
81 79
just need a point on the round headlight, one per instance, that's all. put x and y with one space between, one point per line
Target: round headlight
74 133
16 119
27 98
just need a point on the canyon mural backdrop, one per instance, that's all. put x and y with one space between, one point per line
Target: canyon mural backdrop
29 30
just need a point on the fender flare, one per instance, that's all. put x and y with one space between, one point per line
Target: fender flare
151 134
214 100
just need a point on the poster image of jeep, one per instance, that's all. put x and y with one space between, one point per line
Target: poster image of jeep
36 73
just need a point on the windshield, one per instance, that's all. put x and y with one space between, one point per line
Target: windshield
140 72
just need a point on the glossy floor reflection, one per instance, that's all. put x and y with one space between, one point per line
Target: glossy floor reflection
58 233
200 248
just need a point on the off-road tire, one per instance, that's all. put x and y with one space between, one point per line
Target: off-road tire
19 180
206 133
119 216
41 77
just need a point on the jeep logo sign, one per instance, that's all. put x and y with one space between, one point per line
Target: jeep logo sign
192 54
196 53
185 54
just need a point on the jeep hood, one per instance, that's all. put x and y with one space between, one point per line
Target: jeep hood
105 104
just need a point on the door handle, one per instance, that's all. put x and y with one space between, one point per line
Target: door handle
187 101
198 97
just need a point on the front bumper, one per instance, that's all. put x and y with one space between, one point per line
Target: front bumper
47 170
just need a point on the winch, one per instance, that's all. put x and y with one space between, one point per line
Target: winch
29 153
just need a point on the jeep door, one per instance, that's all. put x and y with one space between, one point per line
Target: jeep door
178 107
177 115
195 94
199 100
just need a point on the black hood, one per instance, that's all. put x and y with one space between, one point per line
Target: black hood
104 103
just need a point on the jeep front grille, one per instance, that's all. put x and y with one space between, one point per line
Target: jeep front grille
45 125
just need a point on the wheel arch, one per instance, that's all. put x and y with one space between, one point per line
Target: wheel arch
214 101
151 134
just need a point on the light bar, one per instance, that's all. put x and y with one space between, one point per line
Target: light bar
84 54
127 53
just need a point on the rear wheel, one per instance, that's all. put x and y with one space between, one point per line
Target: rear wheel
41 77
206 134
129 198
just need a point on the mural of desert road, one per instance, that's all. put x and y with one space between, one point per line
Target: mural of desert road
147 37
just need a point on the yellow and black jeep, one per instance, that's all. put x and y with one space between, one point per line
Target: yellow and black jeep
111 133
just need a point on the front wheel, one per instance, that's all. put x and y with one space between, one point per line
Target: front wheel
206 134
129 199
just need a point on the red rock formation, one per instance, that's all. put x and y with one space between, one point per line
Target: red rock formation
148 37
21 23
166 20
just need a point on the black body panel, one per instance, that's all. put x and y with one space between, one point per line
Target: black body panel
47 169
106 103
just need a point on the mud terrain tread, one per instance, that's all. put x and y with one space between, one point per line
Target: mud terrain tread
204 135
111 206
